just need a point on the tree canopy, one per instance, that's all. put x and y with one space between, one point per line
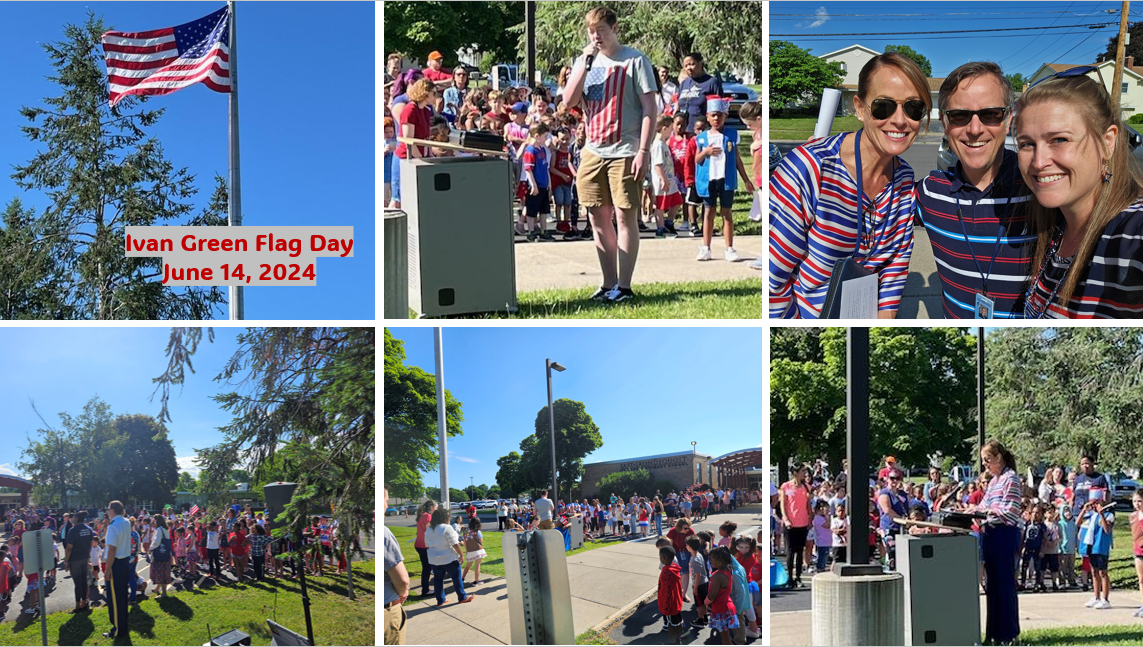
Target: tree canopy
922 393
577 435
416 28
411 444
797 75
920 59
100 171
1134 45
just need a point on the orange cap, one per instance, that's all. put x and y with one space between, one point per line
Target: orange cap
435 54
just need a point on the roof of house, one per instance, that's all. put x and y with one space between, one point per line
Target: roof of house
935 84
846 49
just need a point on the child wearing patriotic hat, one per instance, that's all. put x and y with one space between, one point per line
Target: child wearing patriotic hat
717 166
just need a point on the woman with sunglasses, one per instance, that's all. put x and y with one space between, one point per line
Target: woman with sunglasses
893 504
815 202
1087 202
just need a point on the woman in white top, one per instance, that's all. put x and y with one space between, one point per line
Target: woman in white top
444 556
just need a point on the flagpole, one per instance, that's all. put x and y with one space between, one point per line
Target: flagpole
234 201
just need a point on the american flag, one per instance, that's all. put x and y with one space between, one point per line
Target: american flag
194 510
603 99
164 60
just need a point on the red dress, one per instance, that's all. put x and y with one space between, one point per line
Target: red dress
670 590
723 614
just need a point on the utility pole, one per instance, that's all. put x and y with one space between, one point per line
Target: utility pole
1117 78
980 396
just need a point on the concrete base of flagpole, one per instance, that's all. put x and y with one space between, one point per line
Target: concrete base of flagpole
858 610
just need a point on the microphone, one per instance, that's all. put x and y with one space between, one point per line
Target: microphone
588 61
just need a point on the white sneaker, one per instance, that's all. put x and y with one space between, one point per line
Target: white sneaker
1101 604
1091 603
750 633
704 253
731 255
1138 613
758 264
684 226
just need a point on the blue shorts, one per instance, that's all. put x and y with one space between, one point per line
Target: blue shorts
389 167
684 560
395 181
562 194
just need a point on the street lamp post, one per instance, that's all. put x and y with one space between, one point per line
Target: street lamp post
698 468
471 489
549 364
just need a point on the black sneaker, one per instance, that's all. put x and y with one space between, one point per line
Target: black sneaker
619 295
571 234
531 236
643 226
546 235
699 623
670 225
586 233
601 294
696 232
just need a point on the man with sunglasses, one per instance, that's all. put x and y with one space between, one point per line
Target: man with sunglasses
972 212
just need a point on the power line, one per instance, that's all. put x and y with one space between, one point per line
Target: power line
1038 36
955 31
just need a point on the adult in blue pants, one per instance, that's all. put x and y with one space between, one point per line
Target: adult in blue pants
444 553
118 542
1000 542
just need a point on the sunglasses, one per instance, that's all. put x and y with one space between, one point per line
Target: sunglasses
884 108
988 116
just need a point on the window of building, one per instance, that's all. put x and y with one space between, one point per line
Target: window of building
1124 88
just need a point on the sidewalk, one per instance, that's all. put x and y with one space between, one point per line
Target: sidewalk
922 298
574 264
605 582
1037 611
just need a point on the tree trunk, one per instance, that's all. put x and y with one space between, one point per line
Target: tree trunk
349 573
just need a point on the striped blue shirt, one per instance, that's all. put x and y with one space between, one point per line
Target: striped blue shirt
813 224
994 221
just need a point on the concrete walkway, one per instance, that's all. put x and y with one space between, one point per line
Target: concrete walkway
922 298
1037 611
606 584
574 264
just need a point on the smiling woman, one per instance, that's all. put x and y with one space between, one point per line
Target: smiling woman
1087 202
850 196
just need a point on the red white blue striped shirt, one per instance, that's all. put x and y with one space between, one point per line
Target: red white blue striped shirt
813 224
1003 499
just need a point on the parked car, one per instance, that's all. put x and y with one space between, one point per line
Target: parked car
391 512
1122 489
739 93
775 157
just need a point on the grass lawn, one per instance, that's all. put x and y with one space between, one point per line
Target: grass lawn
738 299
591 637
182 617
801 128
1106 635
1121 565
492 565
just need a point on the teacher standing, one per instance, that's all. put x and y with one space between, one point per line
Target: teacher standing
1000 541
794 501
424 516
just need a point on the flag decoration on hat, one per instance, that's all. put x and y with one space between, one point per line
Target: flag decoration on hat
194 509
162 61
716 103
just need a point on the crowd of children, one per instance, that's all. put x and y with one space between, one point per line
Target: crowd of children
693 170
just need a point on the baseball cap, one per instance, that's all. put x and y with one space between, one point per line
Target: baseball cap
890 459
435 54
520 106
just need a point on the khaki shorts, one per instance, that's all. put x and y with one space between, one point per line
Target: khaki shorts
395 625
546 525
606 182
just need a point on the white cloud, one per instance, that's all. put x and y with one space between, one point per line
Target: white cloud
187 464
462 459
821 16
9 469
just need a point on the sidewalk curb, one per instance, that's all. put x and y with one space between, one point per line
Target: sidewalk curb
605 625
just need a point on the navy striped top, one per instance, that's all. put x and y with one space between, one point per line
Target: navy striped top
813 224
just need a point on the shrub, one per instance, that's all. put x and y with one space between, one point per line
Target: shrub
626 484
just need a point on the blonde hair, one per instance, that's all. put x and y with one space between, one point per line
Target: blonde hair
420 90
1095 110
601 14
906 66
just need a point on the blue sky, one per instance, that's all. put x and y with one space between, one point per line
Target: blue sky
60 369
650 391
307 122
1016 51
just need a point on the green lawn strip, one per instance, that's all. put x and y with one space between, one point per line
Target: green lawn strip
592 637
1121 565
182 617
1104 635
735 299
802 128
493 565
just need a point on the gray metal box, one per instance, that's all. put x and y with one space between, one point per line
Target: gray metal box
461 256
942 599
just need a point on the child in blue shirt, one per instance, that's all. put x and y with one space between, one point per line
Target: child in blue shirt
390 146
1067 546
538 201
717 166
1096 522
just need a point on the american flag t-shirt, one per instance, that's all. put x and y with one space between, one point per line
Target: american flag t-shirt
162 61
603 98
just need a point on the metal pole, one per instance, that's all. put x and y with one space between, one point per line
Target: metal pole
530 40
857 432
442 425
234 193
1117 78
552 427
305 594
43 592
980 395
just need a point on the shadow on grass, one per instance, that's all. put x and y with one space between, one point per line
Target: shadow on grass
175 608
77 629
539 304
1126 635
140 622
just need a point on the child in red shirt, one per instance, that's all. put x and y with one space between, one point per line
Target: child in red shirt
671 594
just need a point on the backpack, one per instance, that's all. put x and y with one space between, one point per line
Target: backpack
472 542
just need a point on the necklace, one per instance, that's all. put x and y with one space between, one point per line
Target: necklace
1029 309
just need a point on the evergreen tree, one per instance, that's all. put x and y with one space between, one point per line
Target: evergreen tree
30 284
101 172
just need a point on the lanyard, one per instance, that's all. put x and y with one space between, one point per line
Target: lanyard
1029 309
995 250
861 203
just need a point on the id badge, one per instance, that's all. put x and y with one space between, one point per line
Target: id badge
983 307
